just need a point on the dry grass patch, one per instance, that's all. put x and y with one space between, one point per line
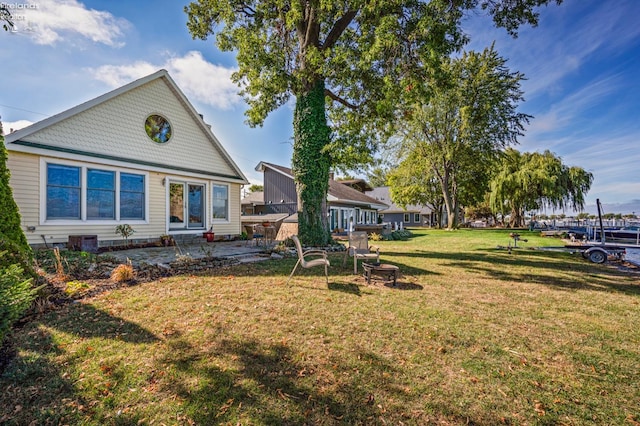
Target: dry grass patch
472 335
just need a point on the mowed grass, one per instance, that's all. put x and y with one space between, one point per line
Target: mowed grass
473 334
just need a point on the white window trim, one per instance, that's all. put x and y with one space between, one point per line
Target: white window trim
416 217
210 204
208 189
83 221
406 217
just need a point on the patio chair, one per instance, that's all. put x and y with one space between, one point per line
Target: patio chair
253 234
310 263
359 248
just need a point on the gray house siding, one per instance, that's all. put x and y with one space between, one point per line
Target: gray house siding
279 193
399 217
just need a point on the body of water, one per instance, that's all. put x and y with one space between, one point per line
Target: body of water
633 256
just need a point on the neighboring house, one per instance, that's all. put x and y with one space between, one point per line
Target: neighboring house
138 155
253 203
343 201
412 215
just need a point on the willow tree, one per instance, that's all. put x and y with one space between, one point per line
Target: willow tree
531 181
346 63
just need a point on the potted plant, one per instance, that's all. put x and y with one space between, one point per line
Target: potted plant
208 235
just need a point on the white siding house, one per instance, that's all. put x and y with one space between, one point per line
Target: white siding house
139 155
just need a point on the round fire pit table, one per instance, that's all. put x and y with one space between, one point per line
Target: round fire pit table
386 272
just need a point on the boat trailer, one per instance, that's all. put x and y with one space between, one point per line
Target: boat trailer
597 251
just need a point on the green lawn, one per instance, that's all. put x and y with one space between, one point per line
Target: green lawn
473 334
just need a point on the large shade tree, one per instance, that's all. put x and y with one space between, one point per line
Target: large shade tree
458 132
413 182
343 61
530 181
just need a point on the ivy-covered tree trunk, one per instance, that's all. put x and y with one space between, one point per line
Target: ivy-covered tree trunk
311 165
10 226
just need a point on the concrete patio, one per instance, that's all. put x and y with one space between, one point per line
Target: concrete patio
164 255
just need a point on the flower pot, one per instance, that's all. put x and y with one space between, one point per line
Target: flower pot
208 236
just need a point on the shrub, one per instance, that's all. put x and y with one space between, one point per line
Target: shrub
123 273
10 226
15 255
125 231
16 293
376 237
399 235
74 288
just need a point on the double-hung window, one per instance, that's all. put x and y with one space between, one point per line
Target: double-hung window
220 202
92 194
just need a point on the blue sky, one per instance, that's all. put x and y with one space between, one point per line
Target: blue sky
582 64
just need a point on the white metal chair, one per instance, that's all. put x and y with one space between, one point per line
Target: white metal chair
305 263
359 248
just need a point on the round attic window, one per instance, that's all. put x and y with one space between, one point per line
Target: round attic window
158 128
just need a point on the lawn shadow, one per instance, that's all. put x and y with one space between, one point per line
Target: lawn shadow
32 363
489 262
349 288
84 320
273 384
400 285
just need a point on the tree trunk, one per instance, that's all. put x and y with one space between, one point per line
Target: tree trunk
311 165
450 203
517 218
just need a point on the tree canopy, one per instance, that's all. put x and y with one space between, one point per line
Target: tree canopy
256 188
531 181
347 59
457 133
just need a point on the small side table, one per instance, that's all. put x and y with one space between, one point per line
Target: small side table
385 271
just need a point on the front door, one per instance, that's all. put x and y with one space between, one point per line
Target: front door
186 205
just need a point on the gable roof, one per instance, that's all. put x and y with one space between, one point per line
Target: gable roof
280 169
29 139
359 184
383 194
255 198
338 192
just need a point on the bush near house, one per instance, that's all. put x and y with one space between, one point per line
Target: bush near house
16 269
16 291
10 226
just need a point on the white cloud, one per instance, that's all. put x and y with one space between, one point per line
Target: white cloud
199 79
204 81
119 75
50 21
564 113
12 126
